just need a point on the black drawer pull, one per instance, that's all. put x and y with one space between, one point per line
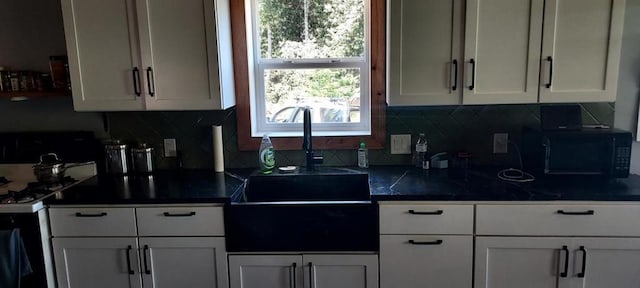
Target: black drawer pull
588 212
136 81
437 212
550 60
584 262
455 75
189 214
129 270
564 274
436 242
79 214
151 82
144 260
293 271
473 74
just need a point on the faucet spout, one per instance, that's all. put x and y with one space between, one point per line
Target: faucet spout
307 144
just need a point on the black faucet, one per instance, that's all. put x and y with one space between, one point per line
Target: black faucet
307 144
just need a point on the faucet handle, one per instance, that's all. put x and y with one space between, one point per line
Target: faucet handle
318 159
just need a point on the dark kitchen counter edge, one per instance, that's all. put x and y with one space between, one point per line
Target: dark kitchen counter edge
197 186
387 183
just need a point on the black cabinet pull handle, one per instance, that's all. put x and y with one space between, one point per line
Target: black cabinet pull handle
310 275
151 82
584 262
144 260
79 214
564 274
550 60
436 242
189 214
131 272
588 212
437 212
455 75
293 272
136 81
473 74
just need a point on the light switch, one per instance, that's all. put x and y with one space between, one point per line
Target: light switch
170 148
500 143
401 144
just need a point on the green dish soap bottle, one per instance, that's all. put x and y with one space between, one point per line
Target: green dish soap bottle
267 156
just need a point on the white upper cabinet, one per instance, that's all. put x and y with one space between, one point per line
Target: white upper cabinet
149 55
102 43
502 51
581 50
425 39
514 51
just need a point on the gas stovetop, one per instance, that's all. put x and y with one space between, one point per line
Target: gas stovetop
20 192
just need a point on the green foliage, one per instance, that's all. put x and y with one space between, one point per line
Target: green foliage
335 30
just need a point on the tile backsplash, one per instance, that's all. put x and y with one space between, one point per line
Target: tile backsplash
448 128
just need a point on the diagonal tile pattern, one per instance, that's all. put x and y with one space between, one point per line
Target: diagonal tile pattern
448 128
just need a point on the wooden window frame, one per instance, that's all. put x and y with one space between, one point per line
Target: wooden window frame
378 85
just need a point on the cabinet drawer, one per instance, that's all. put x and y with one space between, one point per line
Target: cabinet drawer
414 260
560 220
92 222
426 219
180 221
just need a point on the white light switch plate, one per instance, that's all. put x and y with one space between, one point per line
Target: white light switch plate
401 144
170 148
500 143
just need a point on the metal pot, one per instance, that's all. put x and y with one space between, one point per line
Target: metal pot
51 169
142 158
116 158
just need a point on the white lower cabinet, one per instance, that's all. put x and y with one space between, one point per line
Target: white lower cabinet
304 271
416 261
97 262
540 262
154 256
606 262
523 262
183 262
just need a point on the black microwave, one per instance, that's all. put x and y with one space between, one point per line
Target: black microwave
589 151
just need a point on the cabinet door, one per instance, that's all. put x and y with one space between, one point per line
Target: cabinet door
340 271
502 51
179 54
265 271
96 262
102 44
410 261
610 262
184 262
523 262
425 64
581 46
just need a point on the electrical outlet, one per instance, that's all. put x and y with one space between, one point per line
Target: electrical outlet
401 144
500 143
170 148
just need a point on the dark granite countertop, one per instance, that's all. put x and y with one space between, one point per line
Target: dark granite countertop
163 187
388 183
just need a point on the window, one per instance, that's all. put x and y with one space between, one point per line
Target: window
311 53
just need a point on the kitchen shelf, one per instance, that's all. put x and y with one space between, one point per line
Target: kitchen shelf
36 94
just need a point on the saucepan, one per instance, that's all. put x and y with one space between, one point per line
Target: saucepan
51 169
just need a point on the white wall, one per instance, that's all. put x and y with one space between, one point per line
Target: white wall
30 32
626 116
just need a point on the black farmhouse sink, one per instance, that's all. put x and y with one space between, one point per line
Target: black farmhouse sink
325 210
325 184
